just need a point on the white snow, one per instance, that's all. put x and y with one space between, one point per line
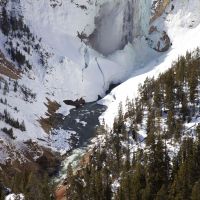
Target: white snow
61 138
115 186
15 196
183 26
75 70
72 68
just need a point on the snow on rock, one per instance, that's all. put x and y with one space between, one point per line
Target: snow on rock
119 22
54 38
158 7
182 24
15 196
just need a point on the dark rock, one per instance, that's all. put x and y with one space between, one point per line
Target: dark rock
111 87
99 98
77 103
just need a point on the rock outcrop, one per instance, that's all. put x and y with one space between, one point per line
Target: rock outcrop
159 40
77 103
158 7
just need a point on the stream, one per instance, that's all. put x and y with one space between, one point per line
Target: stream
83 121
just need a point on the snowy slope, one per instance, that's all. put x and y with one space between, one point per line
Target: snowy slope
65 66
183 26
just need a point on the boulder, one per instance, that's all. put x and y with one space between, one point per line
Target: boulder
77 103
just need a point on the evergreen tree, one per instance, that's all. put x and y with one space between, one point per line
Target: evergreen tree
170 123
6 88
138 182
15 86
196 191
162 193
5 24
157 167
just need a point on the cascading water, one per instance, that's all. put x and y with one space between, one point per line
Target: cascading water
118 23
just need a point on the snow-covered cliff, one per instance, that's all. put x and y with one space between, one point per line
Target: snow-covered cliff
68 49
120 22
181 21
64 33
57 46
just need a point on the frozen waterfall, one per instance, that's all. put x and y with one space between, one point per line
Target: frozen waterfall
119 22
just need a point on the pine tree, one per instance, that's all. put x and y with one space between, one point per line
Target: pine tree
138 111
5 24
169 89
107 193
184 108
162 193
126 186
15 86
158 97
193 81
196 191
6 88
181 70
170 123
138 182
151 127
180 189
178 130
157 167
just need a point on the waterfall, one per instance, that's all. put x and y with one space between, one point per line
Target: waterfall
118 23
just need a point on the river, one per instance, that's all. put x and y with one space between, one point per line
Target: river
83 121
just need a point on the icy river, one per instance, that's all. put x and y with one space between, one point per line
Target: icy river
83 121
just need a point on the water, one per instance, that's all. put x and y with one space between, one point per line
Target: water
119 23
83 121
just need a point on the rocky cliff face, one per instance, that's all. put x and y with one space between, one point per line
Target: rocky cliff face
119 22
158 7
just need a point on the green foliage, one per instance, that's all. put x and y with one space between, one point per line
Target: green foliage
9 132
162 108
6 88
32 184
5 24
13 122
195 191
